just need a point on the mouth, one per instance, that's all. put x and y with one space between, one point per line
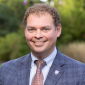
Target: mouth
39 43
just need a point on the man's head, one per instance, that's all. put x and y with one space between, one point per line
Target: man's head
40 30
39 9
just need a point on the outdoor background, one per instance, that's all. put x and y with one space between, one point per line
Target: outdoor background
12 40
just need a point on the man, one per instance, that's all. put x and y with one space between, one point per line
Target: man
42 28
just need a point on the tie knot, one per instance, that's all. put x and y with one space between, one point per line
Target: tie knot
40 63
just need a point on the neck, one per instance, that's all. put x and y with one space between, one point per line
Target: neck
41 55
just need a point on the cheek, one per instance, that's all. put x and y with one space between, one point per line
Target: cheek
51 36
28 36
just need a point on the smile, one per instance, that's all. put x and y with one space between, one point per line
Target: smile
38 42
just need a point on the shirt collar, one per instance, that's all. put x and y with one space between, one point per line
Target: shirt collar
48 59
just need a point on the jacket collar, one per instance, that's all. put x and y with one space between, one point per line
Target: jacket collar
56 70
24 70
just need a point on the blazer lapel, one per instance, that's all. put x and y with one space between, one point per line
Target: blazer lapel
56 70
24 71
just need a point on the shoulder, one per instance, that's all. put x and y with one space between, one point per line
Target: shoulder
73 70
15 63
70 62
72 67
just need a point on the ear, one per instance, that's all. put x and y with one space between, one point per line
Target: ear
59 30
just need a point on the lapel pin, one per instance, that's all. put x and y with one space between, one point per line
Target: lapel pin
56 72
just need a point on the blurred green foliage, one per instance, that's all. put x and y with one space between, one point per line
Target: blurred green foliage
12 39
72 14
13 46
11 15
7 20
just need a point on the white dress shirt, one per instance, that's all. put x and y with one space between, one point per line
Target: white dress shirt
45 70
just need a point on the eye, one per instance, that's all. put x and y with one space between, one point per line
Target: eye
30 30
46 29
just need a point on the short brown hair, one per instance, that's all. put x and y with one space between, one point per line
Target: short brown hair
40 8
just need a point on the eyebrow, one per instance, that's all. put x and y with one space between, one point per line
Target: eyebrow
40 27
30 27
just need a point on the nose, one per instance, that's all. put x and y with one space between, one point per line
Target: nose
38 34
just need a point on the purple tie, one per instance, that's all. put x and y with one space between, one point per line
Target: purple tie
38 78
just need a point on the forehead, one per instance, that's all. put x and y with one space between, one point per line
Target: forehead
39 16
40 20
40 13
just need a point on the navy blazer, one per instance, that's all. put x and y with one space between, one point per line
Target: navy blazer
64 71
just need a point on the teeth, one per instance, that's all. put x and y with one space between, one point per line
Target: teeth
38 42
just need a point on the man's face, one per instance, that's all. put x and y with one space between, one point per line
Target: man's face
41 35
